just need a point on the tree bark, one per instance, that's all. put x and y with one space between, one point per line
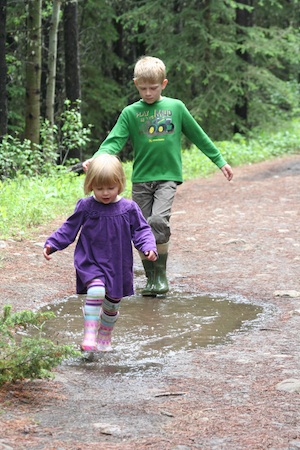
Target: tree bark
72 73
72 76
52 59
3 71
243 20
33 71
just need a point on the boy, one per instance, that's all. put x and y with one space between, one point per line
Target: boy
154 125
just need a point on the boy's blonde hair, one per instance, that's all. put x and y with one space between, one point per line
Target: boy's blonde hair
104 170
149 69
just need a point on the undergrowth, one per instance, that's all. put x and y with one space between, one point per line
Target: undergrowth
28 202
28 357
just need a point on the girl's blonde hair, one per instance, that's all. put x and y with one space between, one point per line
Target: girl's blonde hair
104 170
149 69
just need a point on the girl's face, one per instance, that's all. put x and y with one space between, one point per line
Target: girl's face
150 92
106 194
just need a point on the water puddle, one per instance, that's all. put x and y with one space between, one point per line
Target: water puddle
150 331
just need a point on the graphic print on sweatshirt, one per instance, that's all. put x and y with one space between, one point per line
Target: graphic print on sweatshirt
158 123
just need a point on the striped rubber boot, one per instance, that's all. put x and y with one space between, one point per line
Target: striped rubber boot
109 316
91 314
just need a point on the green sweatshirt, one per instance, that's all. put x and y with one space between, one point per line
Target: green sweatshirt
155 132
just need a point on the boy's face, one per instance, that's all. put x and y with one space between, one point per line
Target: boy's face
150 92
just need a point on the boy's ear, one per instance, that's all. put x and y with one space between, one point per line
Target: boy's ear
164 83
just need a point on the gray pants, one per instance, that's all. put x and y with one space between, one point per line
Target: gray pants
155 198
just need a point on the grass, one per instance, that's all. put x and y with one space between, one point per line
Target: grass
26 203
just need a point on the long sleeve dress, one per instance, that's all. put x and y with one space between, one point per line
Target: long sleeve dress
104 246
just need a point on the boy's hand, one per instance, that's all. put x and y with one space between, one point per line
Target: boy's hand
151 256
227 171
85 164
46 252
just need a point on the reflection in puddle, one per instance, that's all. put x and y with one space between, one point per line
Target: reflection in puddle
149 331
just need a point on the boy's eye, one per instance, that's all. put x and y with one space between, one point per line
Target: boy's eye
151 88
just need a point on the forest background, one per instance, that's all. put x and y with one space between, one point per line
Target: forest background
66 68
66 73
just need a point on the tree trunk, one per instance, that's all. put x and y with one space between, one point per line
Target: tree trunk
243 20
3 71
33 71
52 58
72 76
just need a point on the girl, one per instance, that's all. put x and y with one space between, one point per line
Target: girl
103 257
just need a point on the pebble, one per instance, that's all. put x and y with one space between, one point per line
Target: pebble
287 293
289 385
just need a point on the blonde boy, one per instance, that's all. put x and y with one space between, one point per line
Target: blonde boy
155 125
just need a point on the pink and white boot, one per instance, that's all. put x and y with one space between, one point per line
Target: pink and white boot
91 328
108 317
91 313
104 338
89 343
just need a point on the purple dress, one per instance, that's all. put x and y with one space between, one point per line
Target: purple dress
104 247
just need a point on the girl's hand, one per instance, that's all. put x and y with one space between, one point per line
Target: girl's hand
46 252
151 256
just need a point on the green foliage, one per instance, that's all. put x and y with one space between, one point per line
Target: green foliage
104 70
26 202
264 146
127 166
18 156
242 150
21 157
23 357
73 134
210 75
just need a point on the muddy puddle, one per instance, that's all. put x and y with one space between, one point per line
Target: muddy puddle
152 331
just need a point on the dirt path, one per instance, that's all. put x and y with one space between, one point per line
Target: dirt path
238 239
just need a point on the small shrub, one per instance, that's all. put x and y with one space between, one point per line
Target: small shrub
73 134
23 357
22 157
18 156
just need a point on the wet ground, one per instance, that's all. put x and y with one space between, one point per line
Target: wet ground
151 332
210 381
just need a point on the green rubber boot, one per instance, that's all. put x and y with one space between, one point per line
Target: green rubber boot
160 283
149 271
